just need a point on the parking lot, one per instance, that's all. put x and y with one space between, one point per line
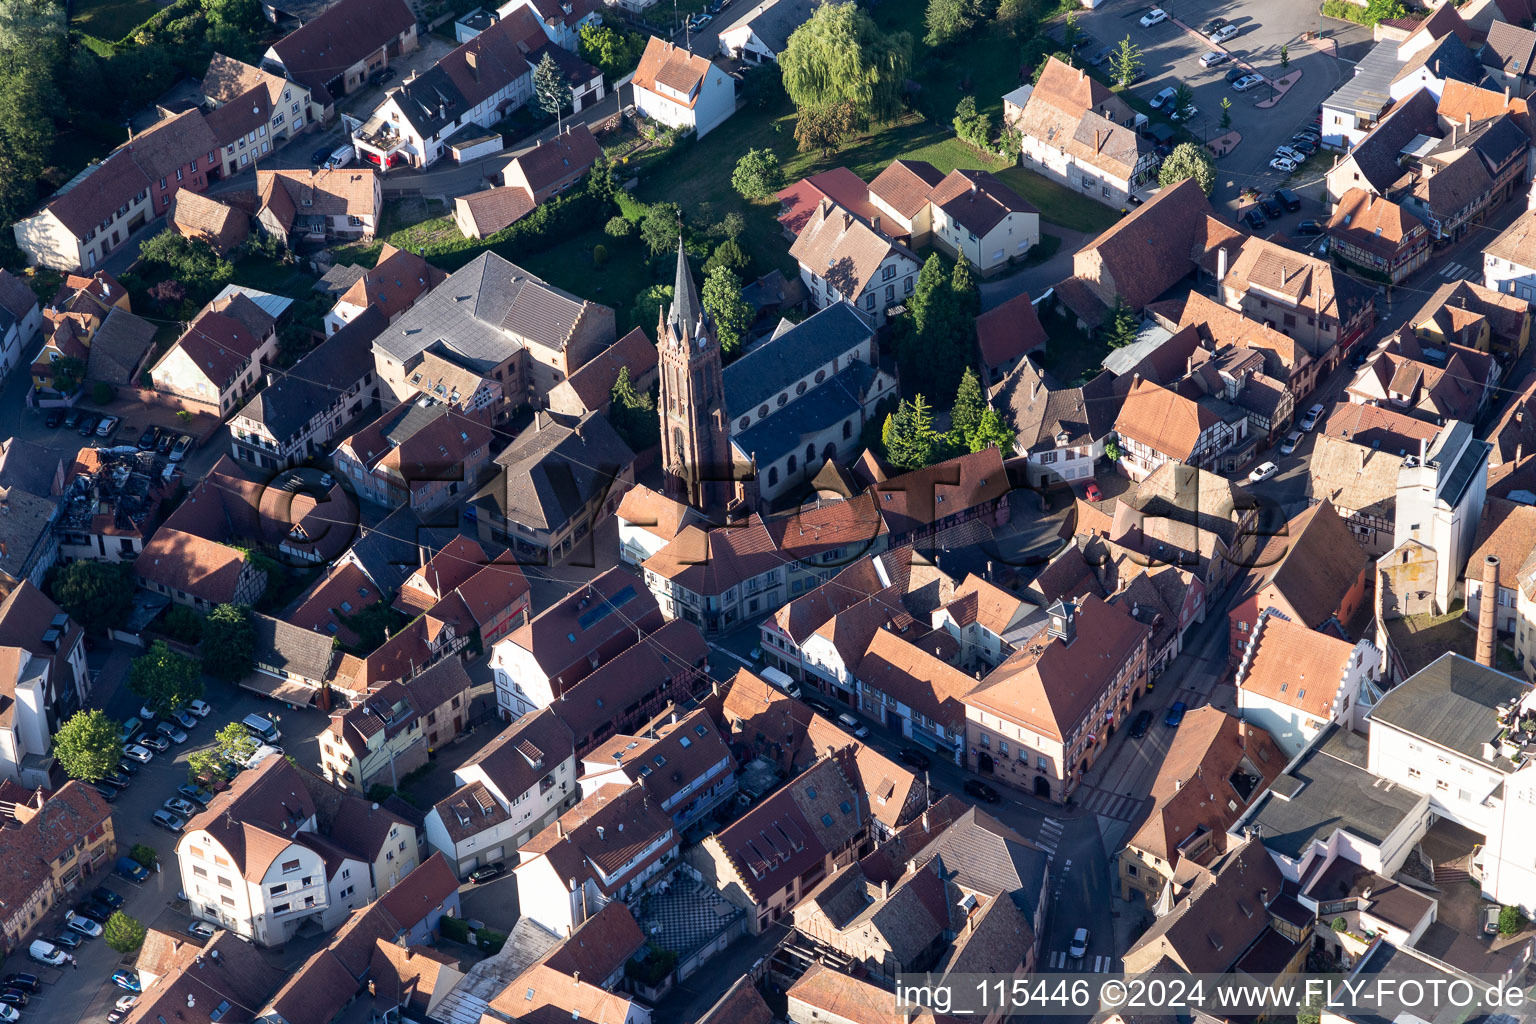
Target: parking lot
1171 54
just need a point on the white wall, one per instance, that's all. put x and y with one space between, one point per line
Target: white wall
543 897
521 686
1456 784
1510 278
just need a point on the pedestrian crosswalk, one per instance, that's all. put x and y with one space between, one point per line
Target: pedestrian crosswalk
1050 835
1452 271
1100 964
1110 805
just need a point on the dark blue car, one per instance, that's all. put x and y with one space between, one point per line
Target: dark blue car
1176 713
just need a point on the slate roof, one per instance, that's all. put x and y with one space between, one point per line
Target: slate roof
450 89
1376 155
343 35
1516 243
284 646
1041 413
318 379
984 855
1510 48
759 375
772 21
1455 187
1450 702
553 469
119 347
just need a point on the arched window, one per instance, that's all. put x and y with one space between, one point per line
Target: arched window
847 429
762 410
800 388
810 454
783 397
773 476
792 464
821 375
745 422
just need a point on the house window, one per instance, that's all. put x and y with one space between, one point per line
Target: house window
869 300
888 272
290 866
909 284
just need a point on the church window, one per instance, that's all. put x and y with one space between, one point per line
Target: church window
800 388
847 429
762 410
821 375
783 397
745 422
792 464
773 476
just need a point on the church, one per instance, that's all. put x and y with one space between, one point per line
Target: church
745 435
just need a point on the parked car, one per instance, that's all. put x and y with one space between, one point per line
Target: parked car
486 872
981 791
54 418
821 707
1236 74
1263 472
148 440
1176 713
197 794
1213 25
117 780
1155 16
319 155
1312 415
853 725
107 793
68 939
1222 34
169 821
1092 493
1306 149
1247 82
127 767
88 424
9 1014
202 929
147 713
98 912
1189 113
127 1002
183 445
127 867
172 732
1079 947
1272 209
13 997
107 898
1310 227
84 925
1254 218
913 758
1289 153
72 418
1290 200
1285 165
1309 134
1212 58
25 982
1163 98
181 806
1291 441
107 425
1140 724
166 443
159 744
1102 54
123 977
382 75
1491 919
185 719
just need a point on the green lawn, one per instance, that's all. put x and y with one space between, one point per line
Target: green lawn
1059 204
628 271
110 19
1072 357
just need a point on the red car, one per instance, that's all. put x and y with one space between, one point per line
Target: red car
1092 492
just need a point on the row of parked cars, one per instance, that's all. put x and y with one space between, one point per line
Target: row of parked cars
169 443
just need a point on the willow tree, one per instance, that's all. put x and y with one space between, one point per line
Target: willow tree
839 56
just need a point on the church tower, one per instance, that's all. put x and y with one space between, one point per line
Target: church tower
695 441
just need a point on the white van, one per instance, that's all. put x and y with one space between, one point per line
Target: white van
263 728
262 753
853 725
781 680
45 952
341 156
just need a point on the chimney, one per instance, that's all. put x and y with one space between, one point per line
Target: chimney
1467 120
875 223
559 828
885 890
473 60
973 187
1488 611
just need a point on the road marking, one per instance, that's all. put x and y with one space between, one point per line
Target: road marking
1100 964
1053 825
1058 960
1451 269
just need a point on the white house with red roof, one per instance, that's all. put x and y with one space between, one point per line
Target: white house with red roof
682 90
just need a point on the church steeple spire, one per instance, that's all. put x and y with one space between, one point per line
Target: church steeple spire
686 318
696 445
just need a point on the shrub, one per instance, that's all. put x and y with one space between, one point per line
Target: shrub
599 255
145 855
454 929
489 940
123 933
1512 920
618 227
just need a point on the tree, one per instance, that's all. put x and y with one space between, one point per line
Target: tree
1182 102
618 227
1188 161
1311 1012
599 255
991 432
1122 326
721 296
730 227
234 743
948 20
1226 113
123 933
193 262
965 414
163 679
88 746
962 281
1125 63
68 374
1382 10
824 129
169 293
908 435
728 254
659 228
1285 56
144 854
970 126
649 304
757 174
102 392
549 88
1070 33
229 642
182 624
937 349
1013 16
98 595
613 51
840 56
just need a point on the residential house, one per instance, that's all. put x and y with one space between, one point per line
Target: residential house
545 656
224 226
1370 160
250 110
759 34
1378 427
387 843
219 357
1057 729
290 663
120 350
1377 235
222 970
914 693
543 993
769 859
981 616
554 483
393 285
649 521
45 675
554 165
1061 432
1006 334
1285 661
613 845
334 54
318 205
978 217
590 388
100 208
1508 265
1300 296
1312 572
1455 382
684 765
955 501
843 258
682 90
897 200
600 948
77 312
1219 329
509 791
1466 314
196 571
419 454
61 843
887 929
1077 132
482 214
561 21
21 320
1505 534
391 731
1507 56
1158 426
493 336
1215 767
1514 433
109 506
1360 482
302 408
1168 601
